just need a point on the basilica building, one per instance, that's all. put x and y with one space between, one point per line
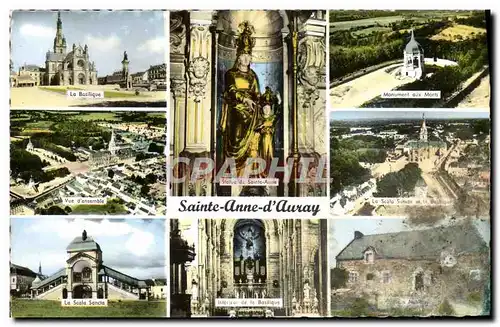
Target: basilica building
248 85
248 258
423 149
85 276
68 68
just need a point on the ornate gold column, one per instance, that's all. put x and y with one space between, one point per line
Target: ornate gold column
311 93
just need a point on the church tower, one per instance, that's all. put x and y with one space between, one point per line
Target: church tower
40 268
59 40
112 143
423 130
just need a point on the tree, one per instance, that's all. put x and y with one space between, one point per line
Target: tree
338 278
145 189
111 173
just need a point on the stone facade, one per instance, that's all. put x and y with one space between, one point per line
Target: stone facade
72 68
425 270
85 276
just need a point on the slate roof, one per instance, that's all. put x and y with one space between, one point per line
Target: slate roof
52 56
22 270
419 244
424 144
60 273
78 244
33 68
413 46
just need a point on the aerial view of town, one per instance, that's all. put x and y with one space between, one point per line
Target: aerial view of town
93 268
88 58
420 165
87 163
380 58
394 268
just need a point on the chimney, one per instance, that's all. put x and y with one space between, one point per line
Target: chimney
358 235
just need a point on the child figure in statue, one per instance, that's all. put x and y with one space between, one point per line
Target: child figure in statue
269 103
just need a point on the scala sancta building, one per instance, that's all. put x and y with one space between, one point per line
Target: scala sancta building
85 276
249 258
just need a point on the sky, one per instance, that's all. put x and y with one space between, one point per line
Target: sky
135 247
107 33
403 114
341 231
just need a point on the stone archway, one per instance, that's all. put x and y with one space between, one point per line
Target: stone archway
81 78
82 292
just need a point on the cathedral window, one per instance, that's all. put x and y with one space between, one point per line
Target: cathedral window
386 277
86 274
353 276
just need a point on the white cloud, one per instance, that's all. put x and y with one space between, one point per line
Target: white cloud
37 30
103 44
138 243
154 45
125 29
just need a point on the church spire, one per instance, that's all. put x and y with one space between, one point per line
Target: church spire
40 268
59 40
423 130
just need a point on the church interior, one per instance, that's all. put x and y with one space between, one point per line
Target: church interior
248 258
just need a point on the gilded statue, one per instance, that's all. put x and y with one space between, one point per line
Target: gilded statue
247 119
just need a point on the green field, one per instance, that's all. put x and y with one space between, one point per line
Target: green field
58 89
112 207
337 26
40 124
52 309
368 30
111 116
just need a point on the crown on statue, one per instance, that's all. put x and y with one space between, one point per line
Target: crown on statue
245 41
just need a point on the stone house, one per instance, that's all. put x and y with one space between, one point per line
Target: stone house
419 268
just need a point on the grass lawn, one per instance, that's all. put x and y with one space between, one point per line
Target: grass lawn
58 89
118 94
112 207
21 308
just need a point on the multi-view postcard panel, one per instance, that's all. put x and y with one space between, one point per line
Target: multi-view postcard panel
88 268
399 137
409 59
87 163
79 58
248 268
398 268
421 165
248 92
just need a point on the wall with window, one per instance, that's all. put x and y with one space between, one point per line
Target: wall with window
425 278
